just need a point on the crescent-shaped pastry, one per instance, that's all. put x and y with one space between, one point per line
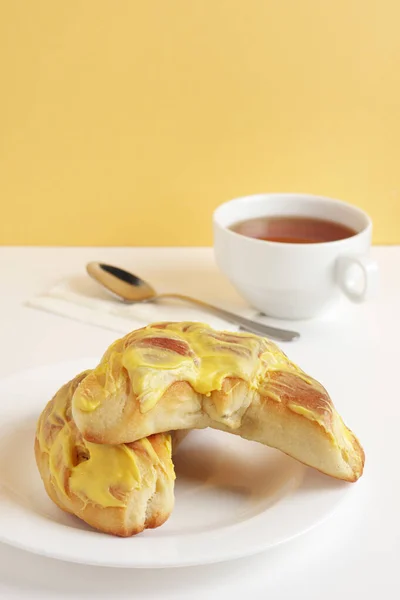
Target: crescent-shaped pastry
120 489
171 376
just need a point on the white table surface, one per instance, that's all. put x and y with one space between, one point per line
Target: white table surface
354 351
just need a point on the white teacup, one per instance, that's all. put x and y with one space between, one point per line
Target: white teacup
289 280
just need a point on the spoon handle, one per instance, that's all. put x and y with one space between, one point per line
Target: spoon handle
282 335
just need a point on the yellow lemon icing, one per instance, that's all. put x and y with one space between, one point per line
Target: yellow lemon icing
161 354
106 474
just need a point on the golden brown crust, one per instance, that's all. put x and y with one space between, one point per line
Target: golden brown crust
312 397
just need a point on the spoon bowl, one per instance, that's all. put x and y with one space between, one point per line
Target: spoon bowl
124 284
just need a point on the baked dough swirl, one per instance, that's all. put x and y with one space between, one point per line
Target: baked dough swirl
118 489
172 376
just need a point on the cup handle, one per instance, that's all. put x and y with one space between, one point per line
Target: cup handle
347 266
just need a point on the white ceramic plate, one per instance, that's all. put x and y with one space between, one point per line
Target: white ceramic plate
233 497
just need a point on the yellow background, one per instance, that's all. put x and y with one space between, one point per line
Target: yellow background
127 121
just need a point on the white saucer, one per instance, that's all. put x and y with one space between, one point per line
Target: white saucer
233 498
